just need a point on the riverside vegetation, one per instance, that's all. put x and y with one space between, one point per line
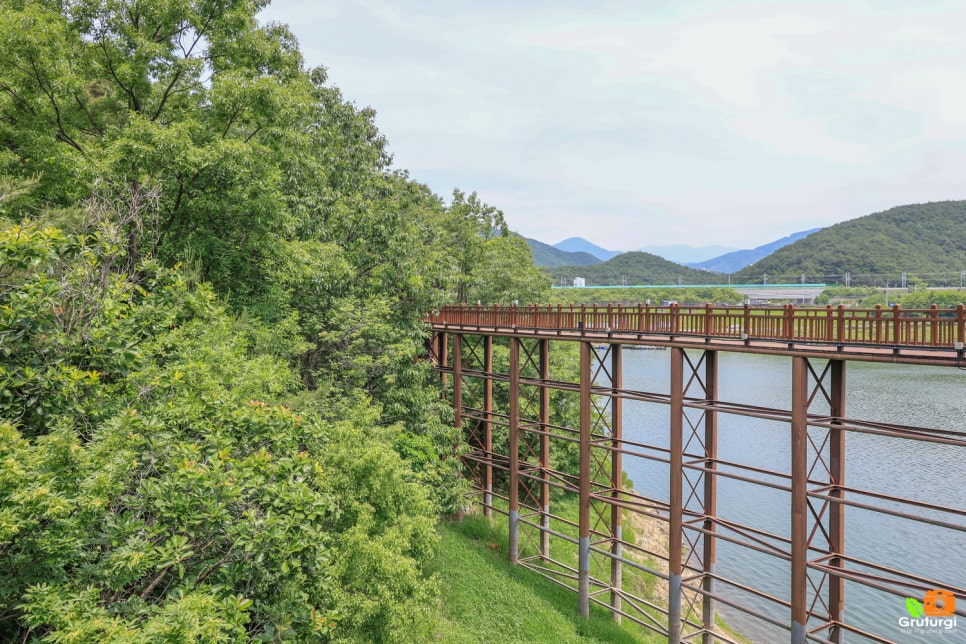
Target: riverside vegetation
215 424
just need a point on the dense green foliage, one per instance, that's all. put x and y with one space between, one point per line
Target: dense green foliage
918 299
636 268
840 293
655 296
926 241
215 425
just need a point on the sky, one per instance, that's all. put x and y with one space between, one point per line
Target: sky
640 123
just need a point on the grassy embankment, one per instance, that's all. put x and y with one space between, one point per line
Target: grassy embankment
486 599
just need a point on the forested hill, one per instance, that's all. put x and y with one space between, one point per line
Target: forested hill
637 268
926 241
547 255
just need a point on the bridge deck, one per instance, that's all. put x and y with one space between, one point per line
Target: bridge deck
921 336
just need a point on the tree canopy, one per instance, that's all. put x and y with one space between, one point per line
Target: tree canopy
211 287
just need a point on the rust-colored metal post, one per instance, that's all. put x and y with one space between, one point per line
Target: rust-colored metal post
488 425
675 500
897 333
545 449
583 522
710 544
514 448
878 324
789 322
840 332
458 380
961 325
616 481
836 589
443 355
799 518
933 325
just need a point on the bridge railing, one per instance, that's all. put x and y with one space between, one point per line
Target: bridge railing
895 326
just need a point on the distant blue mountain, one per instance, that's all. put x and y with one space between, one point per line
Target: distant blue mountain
681 254
581 245
547 255
732 262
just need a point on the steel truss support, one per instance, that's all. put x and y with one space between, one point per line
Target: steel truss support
583 522
533 445
473 408
699 428
819 564
675 530
514 448
544 450
616 481
488 426
599 525
818 460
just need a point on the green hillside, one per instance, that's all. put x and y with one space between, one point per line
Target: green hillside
926 241
547 255
637 268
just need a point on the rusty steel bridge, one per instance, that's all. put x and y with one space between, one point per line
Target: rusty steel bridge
512 441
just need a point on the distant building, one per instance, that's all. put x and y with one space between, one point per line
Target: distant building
580 281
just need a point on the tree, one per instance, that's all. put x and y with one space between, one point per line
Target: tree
504 273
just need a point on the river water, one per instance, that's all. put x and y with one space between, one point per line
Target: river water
903 394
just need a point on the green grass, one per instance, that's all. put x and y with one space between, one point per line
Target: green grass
485 599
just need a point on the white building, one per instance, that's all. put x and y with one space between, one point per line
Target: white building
579 281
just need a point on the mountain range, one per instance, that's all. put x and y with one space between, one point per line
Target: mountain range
923 244
549 256
688 255
577 251
735 261
579 244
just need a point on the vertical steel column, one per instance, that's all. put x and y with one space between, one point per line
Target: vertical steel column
836 590
458 380
616 480
675 499
583 560
710 544
544 449
799 518
514 448
443 358
488 425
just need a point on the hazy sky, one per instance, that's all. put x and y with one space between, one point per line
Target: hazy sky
650 122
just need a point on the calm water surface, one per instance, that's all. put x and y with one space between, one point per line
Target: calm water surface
904 394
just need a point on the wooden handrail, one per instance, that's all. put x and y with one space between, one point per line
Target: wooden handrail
932 327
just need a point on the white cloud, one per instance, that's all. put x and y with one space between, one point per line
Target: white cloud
715 122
